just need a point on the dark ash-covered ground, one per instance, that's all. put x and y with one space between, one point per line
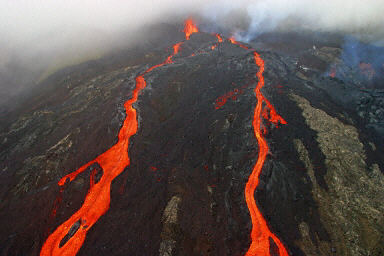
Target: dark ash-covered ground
322 185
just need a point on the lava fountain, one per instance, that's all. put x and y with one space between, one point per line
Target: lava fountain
190 28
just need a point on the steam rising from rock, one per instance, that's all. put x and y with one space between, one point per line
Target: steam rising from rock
37 34
362 18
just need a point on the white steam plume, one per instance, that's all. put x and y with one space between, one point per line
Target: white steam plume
359 17
34 34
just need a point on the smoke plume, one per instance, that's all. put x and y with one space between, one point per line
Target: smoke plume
37 36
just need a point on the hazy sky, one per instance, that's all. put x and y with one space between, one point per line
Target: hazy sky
33 30
36 23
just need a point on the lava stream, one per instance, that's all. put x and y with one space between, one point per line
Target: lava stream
260 234
219 40
113 162
116 159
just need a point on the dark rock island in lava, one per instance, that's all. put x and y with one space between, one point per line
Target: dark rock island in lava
208 109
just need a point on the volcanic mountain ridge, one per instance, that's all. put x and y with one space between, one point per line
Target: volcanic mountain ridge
321 187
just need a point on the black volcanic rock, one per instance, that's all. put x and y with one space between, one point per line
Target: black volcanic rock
321 189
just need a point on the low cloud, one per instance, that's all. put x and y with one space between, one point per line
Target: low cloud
36 34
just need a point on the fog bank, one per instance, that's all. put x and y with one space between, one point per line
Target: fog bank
36 35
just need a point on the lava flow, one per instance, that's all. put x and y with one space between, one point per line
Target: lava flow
112 162
219 40
260 234
220 101
69 236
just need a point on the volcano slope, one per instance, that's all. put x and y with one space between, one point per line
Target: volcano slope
321 189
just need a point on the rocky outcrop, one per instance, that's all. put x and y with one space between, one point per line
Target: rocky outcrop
170 232
351 207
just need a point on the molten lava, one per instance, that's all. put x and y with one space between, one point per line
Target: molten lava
260 234
112 162
219 40
220 101
190 28
69 236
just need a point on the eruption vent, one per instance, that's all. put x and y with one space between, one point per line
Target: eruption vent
190 28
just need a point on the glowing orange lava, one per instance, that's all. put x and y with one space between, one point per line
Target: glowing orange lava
260 234
219 40
116 159
220 101
113 162
190 28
